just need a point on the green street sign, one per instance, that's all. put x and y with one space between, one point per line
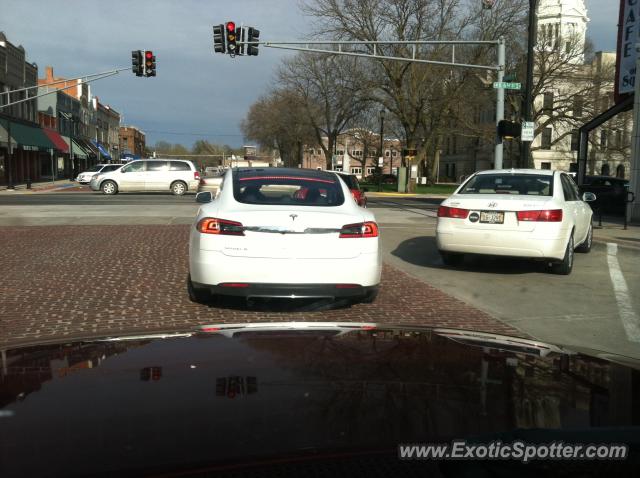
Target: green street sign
506 85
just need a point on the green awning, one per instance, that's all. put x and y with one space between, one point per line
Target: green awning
28 137
78 150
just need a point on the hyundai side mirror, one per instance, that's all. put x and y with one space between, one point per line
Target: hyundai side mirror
588 197
204 197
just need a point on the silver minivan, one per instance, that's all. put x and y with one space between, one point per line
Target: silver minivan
175 175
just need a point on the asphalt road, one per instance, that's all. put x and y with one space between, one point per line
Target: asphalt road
597 306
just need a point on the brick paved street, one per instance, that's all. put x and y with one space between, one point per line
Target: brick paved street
79 281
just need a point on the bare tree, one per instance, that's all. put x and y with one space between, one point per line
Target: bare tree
280 120
331 93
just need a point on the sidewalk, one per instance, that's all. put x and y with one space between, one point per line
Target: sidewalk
612 230
39 187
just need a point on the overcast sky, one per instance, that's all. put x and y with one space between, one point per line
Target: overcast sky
196 95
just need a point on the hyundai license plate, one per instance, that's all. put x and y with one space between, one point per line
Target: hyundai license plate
492 217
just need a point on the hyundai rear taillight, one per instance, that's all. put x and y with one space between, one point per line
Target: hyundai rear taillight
361 229
212 225
453 212
547 215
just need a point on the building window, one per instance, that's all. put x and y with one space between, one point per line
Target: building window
357 153
605 171
575 139
340 152
370 170
620 171
547 103
356 170
603 139
578 105
546 138
338 168
394 153
545 165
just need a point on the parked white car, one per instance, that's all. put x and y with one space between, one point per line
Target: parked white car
277 232
85 176
520 213
177 176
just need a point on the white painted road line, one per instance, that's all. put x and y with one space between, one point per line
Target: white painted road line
629 318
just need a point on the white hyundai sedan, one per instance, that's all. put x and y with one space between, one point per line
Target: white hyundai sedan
519 213
279 232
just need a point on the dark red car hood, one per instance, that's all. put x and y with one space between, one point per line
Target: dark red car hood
248 395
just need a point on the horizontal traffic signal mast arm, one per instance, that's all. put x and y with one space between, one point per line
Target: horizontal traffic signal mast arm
83 82
315 47
64 81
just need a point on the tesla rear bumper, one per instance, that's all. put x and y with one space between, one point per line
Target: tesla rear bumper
289 291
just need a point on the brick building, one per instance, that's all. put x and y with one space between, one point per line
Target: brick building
23 144
132 142
356 152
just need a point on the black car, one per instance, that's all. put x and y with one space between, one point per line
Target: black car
611 193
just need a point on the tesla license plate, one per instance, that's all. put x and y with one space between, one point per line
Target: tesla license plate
492 217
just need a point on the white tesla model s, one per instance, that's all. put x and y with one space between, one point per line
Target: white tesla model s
279 232
521 213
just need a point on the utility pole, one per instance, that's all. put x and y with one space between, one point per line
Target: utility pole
527 100
499 150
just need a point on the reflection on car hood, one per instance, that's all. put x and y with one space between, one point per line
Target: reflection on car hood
229 391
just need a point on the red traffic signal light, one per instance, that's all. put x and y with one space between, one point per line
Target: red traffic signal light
231 26
148 55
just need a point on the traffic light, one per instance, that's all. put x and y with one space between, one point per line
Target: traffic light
136 62
149 63
253 35
231 38
218 38
508 129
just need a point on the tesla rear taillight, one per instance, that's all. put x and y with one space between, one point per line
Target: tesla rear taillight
453 212
212 225
235 285
347 286
361 229
548 215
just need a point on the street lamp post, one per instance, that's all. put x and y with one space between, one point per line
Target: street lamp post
381 157
527 100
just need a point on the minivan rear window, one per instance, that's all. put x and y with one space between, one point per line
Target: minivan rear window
517 184
287 188
179 166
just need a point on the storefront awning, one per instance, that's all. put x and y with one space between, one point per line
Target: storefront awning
102 149
78 150
27 137
56 139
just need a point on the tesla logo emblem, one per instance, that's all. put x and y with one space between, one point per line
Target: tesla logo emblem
293 216
492 204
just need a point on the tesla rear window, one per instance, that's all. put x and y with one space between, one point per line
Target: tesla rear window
287 189
521 184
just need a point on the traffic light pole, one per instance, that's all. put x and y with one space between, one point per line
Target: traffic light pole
499 150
